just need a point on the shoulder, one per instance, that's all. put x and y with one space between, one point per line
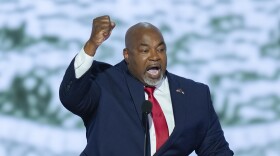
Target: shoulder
107 73
104 66
100 65
185 82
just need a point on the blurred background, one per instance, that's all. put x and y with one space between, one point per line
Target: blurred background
231 45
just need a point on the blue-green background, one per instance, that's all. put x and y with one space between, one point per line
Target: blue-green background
231 45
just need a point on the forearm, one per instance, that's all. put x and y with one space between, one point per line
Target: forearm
75 92
79 91
82 63
81 95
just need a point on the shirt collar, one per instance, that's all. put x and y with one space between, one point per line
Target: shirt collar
162 85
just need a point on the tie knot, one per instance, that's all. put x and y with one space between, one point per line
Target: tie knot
149 90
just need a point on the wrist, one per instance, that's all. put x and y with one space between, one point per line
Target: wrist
90 48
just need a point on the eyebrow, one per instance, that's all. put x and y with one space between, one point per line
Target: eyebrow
161 43
144 44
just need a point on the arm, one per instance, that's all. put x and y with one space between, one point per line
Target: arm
214 143
78 91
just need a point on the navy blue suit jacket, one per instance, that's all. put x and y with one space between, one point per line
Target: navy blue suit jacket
108 99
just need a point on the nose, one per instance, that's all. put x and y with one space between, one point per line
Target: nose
154 56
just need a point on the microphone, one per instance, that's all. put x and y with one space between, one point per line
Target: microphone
146 109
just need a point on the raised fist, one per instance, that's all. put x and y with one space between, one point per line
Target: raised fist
101 30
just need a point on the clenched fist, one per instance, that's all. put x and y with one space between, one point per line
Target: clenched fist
101 30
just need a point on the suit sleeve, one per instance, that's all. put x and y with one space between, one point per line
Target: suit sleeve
214 143
81 95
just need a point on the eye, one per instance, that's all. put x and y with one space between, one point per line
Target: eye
144 50
161 49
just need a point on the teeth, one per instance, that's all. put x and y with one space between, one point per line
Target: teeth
153 71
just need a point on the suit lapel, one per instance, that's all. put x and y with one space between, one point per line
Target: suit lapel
178 99
136 90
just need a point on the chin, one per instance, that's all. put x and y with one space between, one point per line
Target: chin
153 82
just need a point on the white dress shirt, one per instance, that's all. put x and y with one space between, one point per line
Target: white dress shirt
162 94
83 62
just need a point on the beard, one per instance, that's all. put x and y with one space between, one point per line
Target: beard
153 82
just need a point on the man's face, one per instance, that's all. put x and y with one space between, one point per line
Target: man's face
146 56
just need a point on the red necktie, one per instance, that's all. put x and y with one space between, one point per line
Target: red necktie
159 120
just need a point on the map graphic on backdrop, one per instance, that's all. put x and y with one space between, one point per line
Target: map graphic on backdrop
233 46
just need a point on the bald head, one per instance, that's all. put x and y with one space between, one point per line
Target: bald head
138 30
145 53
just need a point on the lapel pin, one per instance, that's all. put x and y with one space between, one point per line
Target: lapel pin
180 91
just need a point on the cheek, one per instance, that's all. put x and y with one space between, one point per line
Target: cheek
164 59
136 66
140 66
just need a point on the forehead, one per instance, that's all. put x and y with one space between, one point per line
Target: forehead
148 36
143 33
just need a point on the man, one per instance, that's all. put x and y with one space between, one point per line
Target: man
109 99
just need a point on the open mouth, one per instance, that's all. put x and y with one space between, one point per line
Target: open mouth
154 70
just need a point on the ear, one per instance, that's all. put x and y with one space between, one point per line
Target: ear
125 54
